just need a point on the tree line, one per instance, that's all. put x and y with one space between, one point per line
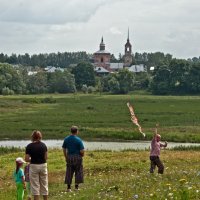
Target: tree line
178 77
170 76
64 59
15 80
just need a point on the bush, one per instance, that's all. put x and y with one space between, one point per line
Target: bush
84 89
91 89
36 100
7 91
48 100
31 100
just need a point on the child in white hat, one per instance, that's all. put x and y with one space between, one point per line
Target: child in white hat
19 178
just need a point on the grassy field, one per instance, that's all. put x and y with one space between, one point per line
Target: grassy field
104 117
116 175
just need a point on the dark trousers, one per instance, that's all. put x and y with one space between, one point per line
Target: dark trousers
155 161
74 166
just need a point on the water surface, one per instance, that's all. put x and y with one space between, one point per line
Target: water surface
91 145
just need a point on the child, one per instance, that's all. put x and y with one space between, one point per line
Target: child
27 180
19 178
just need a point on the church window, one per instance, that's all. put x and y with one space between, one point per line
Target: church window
102 59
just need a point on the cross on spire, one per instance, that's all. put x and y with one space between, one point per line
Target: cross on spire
128 34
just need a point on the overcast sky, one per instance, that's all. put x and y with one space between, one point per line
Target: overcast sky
44 26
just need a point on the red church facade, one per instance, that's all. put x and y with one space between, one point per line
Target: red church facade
102 57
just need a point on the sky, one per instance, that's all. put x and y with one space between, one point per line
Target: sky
46 26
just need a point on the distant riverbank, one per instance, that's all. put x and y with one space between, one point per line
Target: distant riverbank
97 145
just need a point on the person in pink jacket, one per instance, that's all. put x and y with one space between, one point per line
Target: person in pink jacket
155 153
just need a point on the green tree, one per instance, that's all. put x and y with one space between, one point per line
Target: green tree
114 85
160 83
37 83
11 78
84 75
61 82
126 81
193 79
104 83
179 70
141 80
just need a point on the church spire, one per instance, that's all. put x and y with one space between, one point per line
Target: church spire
102 40
102 45
128 35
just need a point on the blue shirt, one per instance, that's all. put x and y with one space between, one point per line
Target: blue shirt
18 175
73 144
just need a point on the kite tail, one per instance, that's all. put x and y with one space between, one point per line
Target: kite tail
134 118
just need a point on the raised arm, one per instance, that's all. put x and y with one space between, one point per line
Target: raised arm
156 131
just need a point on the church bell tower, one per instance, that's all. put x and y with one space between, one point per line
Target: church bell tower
128 57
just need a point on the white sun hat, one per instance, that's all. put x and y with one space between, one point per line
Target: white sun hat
20 160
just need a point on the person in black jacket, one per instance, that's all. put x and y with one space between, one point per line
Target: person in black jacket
36 154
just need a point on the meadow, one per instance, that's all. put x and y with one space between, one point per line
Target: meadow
104 117
116 175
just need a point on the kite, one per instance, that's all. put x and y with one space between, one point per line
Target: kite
134 118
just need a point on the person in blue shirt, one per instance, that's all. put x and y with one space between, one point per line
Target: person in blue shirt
19 178
73 150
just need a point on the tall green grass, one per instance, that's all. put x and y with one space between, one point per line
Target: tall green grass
116 175
104 117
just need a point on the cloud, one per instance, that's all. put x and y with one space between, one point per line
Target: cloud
73 25
49 11
115 31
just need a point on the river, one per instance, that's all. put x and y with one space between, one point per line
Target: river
94 145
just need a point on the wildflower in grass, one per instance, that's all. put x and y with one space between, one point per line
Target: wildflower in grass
170 194
135 196
182 180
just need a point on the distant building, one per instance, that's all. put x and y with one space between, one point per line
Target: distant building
52 69
101 71
30 73
152 68
102 64
128 57
116 66
137 68
102 57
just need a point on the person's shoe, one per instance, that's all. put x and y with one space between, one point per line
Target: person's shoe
69 190
76 189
